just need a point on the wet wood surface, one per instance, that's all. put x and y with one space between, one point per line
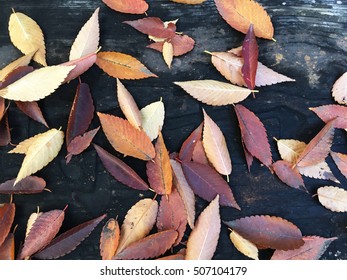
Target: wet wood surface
310 47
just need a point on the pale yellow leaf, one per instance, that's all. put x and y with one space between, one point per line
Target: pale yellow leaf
22 147
318 171
87 40
290 149
168 52
138 222
27 36
243 245
37 84
128 105
186 192
153 118
215 146
203 240
33 217
41 152
333 198
22 61
339 90
214 92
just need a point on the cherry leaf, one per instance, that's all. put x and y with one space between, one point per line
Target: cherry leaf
127 6
333 198
328 113
109 239
187 148
28 185
7 212
288 175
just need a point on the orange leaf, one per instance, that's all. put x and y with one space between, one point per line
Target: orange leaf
127 6
122 66
7 248
126 139
109 239
7 212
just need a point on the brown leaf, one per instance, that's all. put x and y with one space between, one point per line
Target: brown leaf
250 58
268 232
5 136
182 44
340 161
109 239
289 175
42 232
318 148
7 248
328 113
32 110
187 148
28 185
333 198
15 75
254 135
239 14
66 242
122 66
22 61
126 139
7 212
127 6
158 170
313 249
120 170
207 183
199 154
339 90
202 241
150 247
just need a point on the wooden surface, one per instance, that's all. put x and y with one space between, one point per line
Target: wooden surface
311 48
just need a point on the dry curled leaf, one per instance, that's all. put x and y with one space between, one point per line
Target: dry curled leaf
333 198
109 239
153 116
243 245
128 6
7 212
339 90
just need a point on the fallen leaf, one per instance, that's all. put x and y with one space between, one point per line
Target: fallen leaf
313 249
333 198
7 212
199 154
127 6
339 90
250 58
138 222
244 246
37 84
128 105
214 93
158 170
120 170
22 61
182 44
122 66
109 239
192 2
126 139
318 171
168 52
268 232
27 36
32 218
207 183
149 247
254 135
215 146
328 113
153 118
28 185
5 136
248 156
202 242
340 161
187 148
7 249
66 242
289 175
239 14
32 110
87 40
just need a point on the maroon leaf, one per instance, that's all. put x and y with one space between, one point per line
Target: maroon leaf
182 44
188 145
207 183
66 242
7 248
5 135
28 185
268 232
172 214
16 74
250 54
150 247
330 112
288 175
341 162
254 135
7 212
81 114
120 170
44 229
32 110
2 108
80 143
248 156
199 154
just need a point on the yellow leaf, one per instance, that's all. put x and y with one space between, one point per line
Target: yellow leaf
333 198
37 84
27 36
22 147
245 246
290 149
22 61
168 52
33 217
153 118
339 90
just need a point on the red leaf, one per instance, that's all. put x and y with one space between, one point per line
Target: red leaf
80 143
250 54
28 185
172 214
69 240
109 239
207 183
150 247
127 6
7 248
44 229
341 162
313 249
5 136
32 110
248 156
268 232
7 212
330 112
288 175
188 145
254 135
199 154
182 44
120 170
81 114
